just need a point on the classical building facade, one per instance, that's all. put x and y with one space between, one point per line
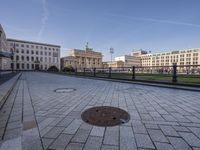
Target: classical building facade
69 61
33 55
5 54
83 59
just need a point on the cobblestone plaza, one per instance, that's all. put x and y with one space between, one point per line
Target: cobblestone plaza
35 117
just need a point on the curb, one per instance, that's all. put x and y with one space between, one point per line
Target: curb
179 87
3 100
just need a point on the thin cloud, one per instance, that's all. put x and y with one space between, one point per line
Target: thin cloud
158 20
45 17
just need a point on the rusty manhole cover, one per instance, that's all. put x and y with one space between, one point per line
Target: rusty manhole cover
64 90
105 116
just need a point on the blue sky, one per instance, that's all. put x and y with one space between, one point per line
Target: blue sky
153 25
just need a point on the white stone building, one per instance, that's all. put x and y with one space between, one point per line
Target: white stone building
33 55
129 61
5 54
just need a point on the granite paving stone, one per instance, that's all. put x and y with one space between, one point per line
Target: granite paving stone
74 146
61 142
81 136
93 143
160 118
168 131
127 140
144 141
163 146
190 138
157 135
179 143
111 136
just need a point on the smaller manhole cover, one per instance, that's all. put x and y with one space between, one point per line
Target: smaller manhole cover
64 90
105 116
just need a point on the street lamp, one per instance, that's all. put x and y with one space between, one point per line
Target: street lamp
0 51
111 52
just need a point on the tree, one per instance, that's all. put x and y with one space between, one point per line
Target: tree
68 69
53 69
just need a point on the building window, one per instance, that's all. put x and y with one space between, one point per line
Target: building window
49 53
27 66
17 65
41 53
22 66
17 57
22 57
32 58
41 59
22 51
27 58
32 52
45 48
41 47
36 47
22 45
36 52
27 51
32 46
27 46
32 66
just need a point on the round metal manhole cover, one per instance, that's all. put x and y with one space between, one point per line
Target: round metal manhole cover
64 90
105 116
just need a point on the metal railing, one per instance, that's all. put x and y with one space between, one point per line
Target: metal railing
170 74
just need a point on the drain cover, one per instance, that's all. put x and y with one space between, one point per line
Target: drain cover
64 90
105 116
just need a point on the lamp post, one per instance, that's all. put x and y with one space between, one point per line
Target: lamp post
0 50
111 53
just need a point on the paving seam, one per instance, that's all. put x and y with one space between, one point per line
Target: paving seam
11 107
5 97
33 111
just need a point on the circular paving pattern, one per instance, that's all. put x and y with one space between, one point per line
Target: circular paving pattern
64 90
105 116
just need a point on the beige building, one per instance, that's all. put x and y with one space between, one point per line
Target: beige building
113 64
83 59
5 53
33 55
180 57
69 61
129 60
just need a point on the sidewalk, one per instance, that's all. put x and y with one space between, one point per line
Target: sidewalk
18 127
6 88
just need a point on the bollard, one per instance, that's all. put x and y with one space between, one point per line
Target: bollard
84 71
174 77
75 71
94 72
133 73
109 73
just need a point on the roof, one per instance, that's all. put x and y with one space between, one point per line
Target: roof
5 54
30 42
